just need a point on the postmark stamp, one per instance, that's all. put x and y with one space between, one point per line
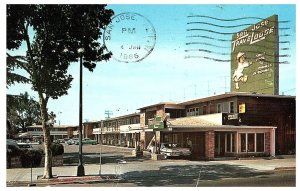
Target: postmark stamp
130 37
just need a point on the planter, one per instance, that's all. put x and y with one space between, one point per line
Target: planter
136 153
157 156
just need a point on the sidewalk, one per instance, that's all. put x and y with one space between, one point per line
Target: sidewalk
112 172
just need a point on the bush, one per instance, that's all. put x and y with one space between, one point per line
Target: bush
31 157
57 149
12 151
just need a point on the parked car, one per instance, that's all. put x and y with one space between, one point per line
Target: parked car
86 141
72 141
172 150
89 141
61 140
11 144
25 146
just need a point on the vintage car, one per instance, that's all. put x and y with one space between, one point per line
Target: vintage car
25 146
89 141
72 141
172 150
86 141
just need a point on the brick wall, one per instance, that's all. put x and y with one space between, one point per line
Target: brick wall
267 143
209 145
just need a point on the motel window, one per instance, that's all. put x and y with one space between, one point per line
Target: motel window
193 111
243 142
196 111
225 107
251 142
260 142
230 142
219 108
231 105
204 110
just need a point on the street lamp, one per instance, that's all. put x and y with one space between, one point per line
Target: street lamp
100 150
80 169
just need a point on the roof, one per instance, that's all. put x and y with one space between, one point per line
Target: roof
235 94
123 116
55 126
205 120
160 103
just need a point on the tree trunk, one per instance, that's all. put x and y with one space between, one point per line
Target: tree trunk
47 140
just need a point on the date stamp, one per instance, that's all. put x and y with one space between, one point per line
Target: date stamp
130 37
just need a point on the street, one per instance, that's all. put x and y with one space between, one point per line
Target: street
142 171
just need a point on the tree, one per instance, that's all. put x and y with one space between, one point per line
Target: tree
22 111
58 32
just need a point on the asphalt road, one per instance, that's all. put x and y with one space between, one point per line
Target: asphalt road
280 178
144 172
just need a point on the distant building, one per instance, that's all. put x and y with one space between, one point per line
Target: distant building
56 132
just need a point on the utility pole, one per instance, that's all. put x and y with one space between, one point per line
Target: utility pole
108 113
208 88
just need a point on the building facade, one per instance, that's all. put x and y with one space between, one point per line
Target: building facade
119 131
56 132
226 125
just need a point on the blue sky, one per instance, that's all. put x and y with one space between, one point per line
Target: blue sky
165 74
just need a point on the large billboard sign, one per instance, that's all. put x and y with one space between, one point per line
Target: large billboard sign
254 58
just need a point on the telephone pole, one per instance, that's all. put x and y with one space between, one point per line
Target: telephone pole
108 113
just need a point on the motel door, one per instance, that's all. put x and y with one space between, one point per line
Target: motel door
219 144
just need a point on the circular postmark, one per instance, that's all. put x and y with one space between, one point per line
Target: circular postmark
130 37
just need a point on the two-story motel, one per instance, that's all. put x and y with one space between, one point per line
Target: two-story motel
230 124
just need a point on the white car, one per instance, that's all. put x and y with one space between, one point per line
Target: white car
25 146
172 150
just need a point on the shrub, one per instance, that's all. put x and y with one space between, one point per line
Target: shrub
12 151
57 149
31 157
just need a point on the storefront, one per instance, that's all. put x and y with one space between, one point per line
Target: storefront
209 142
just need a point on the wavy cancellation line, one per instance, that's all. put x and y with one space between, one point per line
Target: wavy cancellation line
229 26
226 60
225 54
223 33
229 46
230 40
234 19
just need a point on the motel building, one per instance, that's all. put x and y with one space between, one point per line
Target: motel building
226 125
124 131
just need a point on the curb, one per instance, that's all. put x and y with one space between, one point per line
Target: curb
285 168
65 180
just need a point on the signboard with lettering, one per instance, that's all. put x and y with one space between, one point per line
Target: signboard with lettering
156 123
230 119
254 58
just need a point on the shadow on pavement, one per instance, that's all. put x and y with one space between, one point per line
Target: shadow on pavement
189 174
94 158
